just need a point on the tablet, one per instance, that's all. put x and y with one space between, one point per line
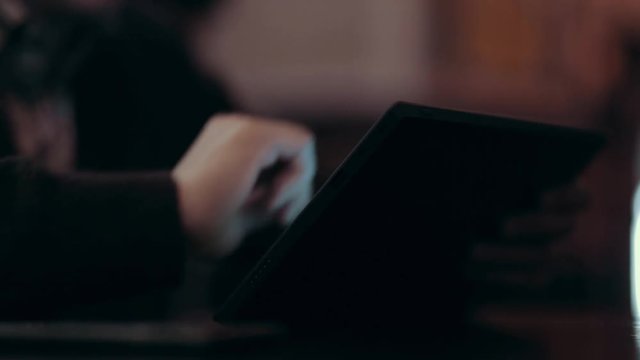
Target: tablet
384 243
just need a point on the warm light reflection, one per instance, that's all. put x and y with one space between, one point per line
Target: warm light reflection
635 257
635 272
635 267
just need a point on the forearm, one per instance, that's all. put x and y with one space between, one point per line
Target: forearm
83 237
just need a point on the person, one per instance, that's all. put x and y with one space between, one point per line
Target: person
77 237
109 87
71 237
112 81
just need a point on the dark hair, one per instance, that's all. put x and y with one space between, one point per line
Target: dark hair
40 56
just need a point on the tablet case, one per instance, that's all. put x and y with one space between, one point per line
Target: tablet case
384 243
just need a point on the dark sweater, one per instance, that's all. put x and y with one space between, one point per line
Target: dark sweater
67 240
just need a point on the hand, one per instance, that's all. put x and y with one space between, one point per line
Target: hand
222 192
555 218
523 259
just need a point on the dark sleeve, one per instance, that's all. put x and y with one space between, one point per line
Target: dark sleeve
67 240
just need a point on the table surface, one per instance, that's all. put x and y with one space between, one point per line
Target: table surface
499 333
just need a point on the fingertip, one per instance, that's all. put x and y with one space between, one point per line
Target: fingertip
283 215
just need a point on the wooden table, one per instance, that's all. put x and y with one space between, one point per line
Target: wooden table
497 333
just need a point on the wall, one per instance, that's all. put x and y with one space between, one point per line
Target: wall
321 59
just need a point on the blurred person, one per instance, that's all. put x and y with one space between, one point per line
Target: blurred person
72 236
112 81
82 237
107 86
